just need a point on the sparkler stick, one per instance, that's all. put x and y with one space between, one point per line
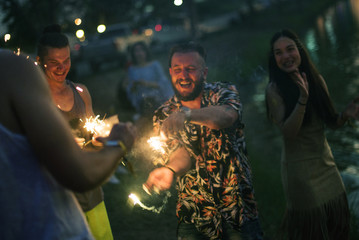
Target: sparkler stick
157 210
101 128
94 125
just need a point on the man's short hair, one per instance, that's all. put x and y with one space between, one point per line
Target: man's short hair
52 37
187 47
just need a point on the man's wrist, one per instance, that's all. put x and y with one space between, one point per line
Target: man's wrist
170 168
114 143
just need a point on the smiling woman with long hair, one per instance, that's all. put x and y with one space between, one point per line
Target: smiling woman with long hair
298 102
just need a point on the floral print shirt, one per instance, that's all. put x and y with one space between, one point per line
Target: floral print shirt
218 186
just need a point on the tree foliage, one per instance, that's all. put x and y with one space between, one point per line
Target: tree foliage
25 19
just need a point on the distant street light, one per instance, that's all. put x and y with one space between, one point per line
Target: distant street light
148 32
158 27
7 37
80 33
177 2
101 28
78 21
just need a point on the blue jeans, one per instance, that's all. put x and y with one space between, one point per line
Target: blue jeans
250 230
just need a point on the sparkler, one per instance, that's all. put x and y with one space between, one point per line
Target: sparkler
158 145
18 52
154 209
97 126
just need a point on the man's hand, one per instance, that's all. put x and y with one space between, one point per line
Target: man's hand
174 123
159 179
125 132
80 141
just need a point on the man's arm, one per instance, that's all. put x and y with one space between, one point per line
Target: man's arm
162 178
50 135
214 117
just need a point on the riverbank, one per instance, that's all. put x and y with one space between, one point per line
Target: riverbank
237 55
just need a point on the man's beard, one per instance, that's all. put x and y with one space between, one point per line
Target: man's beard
193 95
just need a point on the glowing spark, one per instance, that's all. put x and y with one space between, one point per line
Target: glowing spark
79 89
18 52
97 126
136 200
59 106
158 143
36 63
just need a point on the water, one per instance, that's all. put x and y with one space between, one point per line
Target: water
333 43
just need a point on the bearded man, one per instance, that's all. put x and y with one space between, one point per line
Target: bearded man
206 153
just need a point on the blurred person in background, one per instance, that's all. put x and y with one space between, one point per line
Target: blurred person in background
74 102
147 86
40 161
206 153
298 102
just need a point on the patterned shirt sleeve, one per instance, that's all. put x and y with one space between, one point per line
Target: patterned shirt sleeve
227 94
174 141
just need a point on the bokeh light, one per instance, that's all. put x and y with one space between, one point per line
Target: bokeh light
148 32
177 2
101 28
78 21
7 37
158 27
80 33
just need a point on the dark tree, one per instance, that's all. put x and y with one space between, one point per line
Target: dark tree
26 19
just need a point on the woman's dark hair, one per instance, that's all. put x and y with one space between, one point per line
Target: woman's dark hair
51 37
318 101
144 47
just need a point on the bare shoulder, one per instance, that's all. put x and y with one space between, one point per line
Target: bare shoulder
81 86
82 89
86 97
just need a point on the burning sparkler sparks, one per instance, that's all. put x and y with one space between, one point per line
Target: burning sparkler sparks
154 209
18 52
97 126
158 145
